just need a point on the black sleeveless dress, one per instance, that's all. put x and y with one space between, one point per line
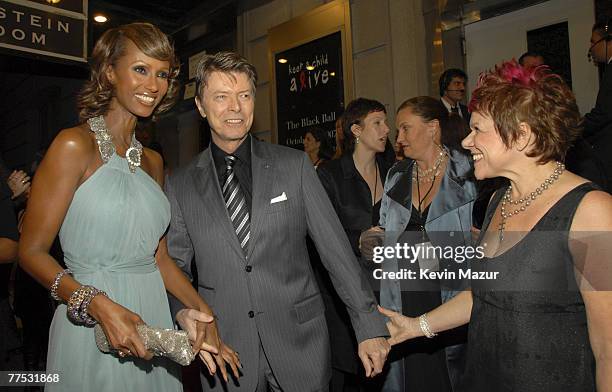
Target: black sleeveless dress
528 332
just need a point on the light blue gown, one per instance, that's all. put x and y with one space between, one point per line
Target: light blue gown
109 237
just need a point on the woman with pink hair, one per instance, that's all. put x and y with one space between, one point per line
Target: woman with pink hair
540 303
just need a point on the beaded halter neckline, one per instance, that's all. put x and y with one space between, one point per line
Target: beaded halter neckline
107 147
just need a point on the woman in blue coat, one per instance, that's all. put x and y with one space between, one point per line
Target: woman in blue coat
428 199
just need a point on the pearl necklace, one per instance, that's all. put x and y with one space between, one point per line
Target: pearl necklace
107 147
525 202
430 174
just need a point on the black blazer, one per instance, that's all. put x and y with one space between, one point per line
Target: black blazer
351 198
350 194
599 119
465 113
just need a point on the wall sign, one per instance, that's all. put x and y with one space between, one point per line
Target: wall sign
309 89
57 31
311 65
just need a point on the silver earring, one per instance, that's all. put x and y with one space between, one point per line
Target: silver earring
357 140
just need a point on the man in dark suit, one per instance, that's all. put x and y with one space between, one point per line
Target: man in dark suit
598 122
243 209
452 92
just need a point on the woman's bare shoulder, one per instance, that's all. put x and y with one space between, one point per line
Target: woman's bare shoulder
77 140
153 165
594 212
73 150
152 156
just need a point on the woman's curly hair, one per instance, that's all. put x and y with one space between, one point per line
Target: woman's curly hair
96 95
511 94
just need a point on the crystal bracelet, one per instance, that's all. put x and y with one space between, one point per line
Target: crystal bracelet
79 302
424 324
84 308
74 303
56 283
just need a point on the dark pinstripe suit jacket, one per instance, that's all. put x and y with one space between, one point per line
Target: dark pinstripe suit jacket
271 294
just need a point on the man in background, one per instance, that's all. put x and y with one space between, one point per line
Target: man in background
531 60
452 91
598 122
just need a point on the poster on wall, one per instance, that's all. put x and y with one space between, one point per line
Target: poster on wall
309 89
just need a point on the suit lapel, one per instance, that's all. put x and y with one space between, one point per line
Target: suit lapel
208 187
263 169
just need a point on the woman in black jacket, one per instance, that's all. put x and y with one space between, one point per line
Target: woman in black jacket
354 183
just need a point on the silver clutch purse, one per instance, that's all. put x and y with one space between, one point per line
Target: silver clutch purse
160 342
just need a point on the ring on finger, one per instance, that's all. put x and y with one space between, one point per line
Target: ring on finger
122 354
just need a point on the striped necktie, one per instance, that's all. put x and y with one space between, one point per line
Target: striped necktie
235 202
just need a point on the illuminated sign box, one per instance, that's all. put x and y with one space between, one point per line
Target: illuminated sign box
32 27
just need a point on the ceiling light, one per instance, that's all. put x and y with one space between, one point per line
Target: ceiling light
100 18
53 1
282 61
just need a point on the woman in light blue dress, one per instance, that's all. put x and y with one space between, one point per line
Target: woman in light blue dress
101 191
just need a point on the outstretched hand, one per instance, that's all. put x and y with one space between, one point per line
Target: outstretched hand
373 354
226 356
400 327
194 323
202 330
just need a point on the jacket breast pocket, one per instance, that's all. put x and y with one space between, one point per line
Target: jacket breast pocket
278 206
309 308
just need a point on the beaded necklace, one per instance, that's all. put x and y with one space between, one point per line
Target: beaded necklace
107 147
525 202
430 174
